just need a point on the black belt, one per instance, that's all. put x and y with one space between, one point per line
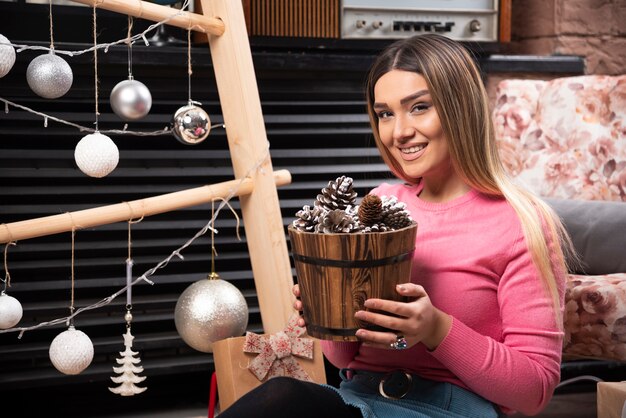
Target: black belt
392 385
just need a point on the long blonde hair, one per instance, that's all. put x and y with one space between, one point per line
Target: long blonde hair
459 96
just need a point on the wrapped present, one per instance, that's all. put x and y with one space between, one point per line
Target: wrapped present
243 363
611 399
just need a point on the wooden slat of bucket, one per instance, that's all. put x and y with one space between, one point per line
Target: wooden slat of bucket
331 293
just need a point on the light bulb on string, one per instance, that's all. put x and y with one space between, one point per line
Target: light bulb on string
190 124
130 99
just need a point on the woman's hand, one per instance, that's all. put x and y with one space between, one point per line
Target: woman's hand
417 320
297 305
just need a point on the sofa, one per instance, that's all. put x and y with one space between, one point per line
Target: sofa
565 140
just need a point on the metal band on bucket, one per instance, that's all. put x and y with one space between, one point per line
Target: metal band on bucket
353 263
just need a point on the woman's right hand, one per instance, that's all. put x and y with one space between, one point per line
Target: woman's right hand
297 305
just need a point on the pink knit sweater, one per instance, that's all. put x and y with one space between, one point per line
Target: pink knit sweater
471 258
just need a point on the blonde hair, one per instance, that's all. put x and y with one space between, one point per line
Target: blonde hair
459 96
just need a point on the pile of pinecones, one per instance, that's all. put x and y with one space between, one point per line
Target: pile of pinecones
336 211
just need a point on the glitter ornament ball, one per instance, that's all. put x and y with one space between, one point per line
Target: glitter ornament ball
10 311
210 310
7 56
191 125
71 351
96 155
49 76
130 99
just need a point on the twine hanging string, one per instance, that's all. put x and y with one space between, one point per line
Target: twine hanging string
51 26
70 318
176 253
213 231
95 61
7 275
129 264
129 42
189 71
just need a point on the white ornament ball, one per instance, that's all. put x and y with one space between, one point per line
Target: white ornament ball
210 310
10 311
71 351
191 125
7 56
96 155
49 76
131 99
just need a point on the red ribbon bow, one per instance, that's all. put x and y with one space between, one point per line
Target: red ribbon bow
276 352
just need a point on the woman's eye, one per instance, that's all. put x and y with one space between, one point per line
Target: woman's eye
383 114
420 107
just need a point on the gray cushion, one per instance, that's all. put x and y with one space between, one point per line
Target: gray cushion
598 230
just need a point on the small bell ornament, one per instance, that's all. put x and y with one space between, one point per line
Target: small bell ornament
49 76
130 99
191 124
210 310
10 311
96 155
7 56
71 351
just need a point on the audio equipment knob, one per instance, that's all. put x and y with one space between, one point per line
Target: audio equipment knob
360 24
474 26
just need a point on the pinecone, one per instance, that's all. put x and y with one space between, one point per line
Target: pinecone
378 227
370 210
395 215
337 195
336 221
307 218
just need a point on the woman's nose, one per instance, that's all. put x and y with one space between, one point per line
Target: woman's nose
402 129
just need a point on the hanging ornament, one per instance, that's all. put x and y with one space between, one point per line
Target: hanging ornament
10 308
96 155
191 125
130 99
71 351
7 56
210 310
128 370
49 76
10 311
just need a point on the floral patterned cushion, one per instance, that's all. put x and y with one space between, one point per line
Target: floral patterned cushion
565 138
595 317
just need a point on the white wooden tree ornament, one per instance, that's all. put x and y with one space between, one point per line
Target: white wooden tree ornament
128 370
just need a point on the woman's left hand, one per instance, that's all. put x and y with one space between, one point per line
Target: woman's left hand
417 320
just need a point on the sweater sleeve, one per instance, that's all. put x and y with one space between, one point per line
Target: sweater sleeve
529 354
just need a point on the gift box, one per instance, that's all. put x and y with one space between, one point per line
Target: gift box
243 363
611 399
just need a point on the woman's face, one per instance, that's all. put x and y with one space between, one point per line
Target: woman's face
409 126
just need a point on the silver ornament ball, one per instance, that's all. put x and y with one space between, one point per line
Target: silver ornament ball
191 125
49 76
7 56
130 99
96 155
71 351
10 311
210 310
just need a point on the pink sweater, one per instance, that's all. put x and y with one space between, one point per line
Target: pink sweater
471 258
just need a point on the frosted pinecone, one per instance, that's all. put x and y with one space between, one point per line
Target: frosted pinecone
307 218
370 210
378 227
337 195
395 215
336 221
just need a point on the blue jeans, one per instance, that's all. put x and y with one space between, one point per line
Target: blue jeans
410 396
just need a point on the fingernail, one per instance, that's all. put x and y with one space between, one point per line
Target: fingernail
400 287
367 304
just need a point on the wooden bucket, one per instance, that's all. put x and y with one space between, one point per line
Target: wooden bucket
338 272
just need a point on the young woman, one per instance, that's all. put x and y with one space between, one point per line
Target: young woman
481 335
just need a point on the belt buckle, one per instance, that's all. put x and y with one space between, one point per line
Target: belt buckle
395 385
